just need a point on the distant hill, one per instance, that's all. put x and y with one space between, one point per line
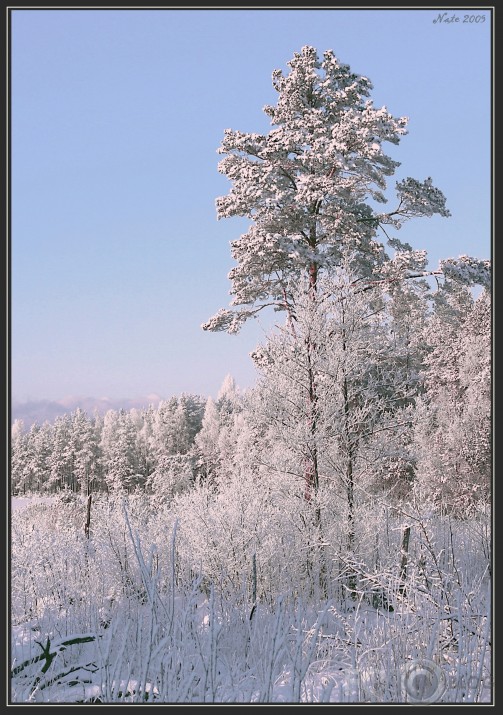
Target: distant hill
41 411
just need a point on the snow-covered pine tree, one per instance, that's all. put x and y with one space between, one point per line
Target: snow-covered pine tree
311 187
39 444
215 443
120 453
206 447
61 458
312 184
19 457
85 445
173 426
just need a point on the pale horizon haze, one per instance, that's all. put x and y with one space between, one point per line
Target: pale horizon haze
117 257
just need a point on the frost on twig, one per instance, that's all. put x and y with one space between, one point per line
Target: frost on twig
228 320
468 270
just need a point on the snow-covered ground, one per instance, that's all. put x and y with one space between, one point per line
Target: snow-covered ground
115 619
17 503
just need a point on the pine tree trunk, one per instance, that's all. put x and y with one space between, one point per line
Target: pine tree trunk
349 481
317 553
311 475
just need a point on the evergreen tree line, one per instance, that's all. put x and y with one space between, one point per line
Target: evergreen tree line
403 402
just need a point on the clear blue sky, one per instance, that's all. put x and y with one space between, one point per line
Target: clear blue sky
117 256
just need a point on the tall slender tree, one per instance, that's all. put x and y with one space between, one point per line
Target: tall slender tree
312 187
19 457
85 443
